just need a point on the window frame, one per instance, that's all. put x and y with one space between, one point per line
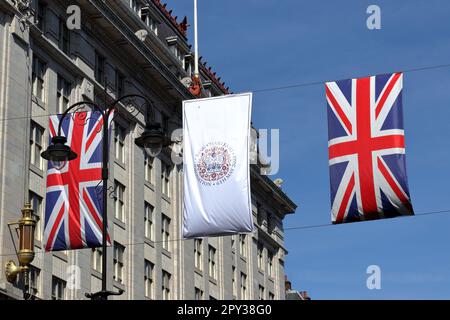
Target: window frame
243 286
212 264
148 168
261 292
35 280
38 212
243 245
270 259
198 254
166 285
37 133
260 256
149 20
63 93
63 36
166 170
100 68
165 232
120 136
119 201
149 225
198 294
41 12
38 74
234 280
58 288
120 83
149 279
118 262
97 259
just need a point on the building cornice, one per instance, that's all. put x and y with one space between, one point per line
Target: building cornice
267 185
106 12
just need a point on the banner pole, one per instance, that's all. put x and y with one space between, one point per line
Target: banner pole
196 73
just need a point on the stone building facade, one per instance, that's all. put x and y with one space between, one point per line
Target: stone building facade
44 67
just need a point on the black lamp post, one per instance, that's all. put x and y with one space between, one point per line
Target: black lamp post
153 139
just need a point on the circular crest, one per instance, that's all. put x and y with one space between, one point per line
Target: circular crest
214 163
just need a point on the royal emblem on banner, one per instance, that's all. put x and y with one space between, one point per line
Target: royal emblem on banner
214 163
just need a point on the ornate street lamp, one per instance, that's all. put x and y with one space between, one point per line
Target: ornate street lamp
25 254
58 152
153 140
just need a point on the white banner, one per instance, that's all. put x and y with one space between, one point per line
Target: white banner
216 137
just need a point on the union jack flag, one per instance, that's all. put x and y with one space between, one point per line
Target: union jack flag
366 149
74 209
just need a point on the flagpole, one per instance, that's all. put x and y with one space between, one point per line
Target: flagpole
196 73
196 85
105 175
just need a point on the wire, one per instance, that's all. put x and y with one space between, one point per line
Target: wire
285 229
291 86
330 224
307 84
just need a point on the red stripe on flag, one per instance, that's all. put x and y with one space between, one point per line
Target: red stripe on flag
53 232
345 200
398 192
93 210
94 132
372 144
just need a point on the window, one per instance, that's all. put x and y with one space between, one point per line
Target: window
271 296
36 204
41 10
38 78
242 245
149 20
100 62
120 84
148 162
97 259
233 243
177 52
119 202
118 262
58 288
63 36
270 264
198 294
187 64
243 286
148 220
36 138
166 285
148 279
212 261
35 281
135 5
165 123
165 179
198 253
261 292
63 94
165 231
259 214
260 256
270 222
119 142
233 280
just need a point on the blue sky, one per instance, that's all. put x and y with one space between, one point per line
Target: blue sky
257 44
